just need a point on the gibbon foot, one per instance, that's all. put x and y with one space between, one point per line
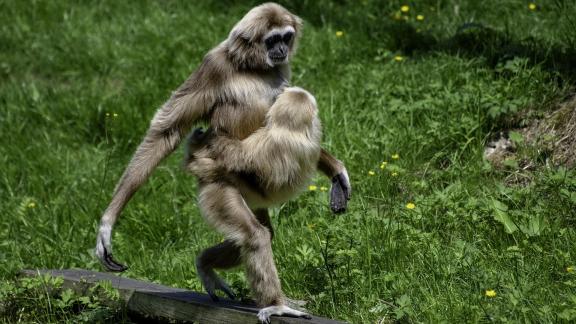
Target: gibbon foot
212 283
196 140
282 310
340 192
200 136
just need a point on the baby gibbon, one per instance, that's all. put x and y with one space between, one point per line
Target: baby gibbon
272 165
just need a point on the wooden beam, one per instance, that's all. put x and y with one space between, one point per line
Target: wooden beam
150 299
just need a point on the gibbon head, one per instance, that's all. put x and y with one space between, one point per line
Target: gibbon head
295 108
266 37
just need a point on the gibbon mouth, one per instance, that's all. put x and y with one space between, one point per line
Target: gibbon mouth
277 58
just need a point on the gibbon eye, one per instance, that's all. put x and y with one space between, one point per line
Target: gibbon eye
287 37
272 40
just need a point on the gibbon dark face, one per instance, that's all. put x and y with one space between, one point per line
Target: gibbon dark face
278 45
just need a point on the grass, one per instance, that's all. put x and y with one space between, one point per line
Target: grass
80 81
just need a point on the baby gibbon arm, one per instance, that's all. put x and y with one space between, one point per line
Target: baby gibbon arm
207 155
235 154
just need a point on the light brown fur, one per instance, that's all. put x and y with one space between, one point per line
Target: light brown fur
232 90
281 156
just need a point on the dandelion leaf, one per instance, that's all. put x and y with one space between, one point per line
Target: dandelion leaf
501 215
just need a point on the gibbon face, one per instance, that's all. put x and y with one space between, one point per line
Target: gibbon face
264 38
278 45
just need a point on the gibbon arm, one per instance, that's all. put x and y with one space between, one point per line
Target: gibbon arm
163 136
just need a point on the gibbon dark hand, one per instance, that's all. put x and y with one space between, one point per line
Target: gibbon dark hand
106 259
340 193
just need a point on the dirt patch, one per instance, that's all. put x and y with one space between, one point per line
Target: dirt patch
549 140
555 134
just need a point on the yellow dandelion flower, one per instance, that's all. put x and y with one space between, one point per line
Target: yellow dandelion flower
31 205
398 58
532 6
405 8
395 156
570 269
383 166
420 17
312 187
339 33
107 114
490 293
371 173
394 174
323 188
410 205
115 115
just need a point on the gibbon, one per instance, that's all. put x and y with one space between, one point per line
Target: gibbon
232 90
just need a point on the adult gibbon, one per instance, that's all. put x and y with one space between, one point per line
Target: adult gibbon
232 90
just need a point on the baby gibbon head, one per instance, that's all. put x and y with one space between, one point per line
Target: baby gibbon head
295 108
264 38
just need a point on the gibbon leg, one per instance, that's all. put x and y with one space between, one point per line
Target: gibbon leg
264 219
223 207
225 255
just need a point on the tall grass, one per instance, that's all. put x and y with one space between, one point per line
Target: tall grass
80 81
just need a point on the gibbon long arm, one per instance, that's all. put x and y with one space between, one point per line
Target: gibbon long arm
166 131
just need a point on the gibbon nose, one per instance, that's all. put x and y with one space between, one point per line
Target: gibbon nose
281 50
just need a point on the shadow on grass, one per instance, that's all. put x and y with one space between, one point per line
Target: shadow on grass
475 40
373 27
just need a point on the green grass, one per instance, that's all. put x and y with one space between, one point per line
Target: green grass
468 69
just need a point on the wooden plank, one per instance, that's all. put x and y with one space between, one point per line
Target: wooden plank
150 299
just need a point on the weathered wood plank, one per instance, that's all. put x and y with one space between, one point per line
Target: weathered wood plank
150 299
